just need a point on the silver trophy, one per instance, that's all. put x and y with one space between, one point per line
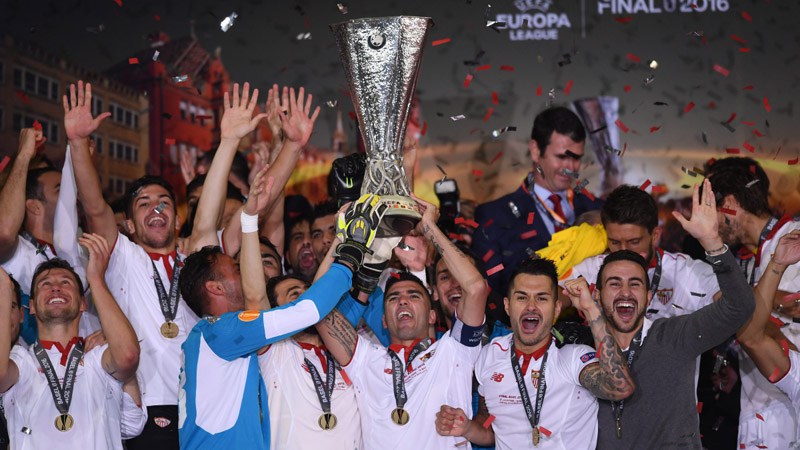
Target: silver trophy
381 59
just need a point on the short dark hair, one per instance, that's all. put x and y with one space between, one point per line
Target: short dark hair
54 263
623 255
536 266
267 243
198 268
273 283
738 162
556 119
232 191
477 262
239 167
406 276
630 205
141 183
745 186
326 208
33 188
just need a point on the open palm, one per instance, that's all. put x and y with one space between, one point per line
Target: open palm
788 250
237 118
78 120
296 118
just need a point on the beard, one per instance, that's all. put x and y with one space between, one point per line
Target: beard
157 241
618 325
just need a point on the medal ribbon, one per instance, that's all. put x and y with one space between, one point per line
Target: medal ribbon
169 305
324 391
398 371
62 394
656 275
617 407
532 413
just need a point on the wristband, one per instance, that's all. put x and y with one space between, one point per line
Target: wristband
717 251
249 223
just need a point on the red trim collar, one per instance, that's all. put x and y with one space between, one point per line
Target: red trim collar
48 345
164 258
526 357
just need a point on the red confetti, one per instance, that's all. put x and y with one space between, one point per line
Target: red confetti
495 98
528 234
654 129
530 218
440 42
586 192
721 70
622 126
454 236
488 114
22 97
157 17
749 87
538 91
738 39
395 275
169 141
483 67
730 119
623 19
712 105
118 2
471 223
746 16
568 87
488 223
492 306
730 212
645 185
776 376
424 128
4 163
633 58
496 157
732 151
748 147
133 61
766 104
749 123
793 162
37 125
627 88
494 270
345 378
759 417
488 422
545 431
744 49
352 115
488 255
689 106
507 68
699 407
468 80
477 172
758 133
659 189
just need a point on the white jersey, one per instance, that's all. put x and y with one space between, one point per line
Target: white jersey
568 418
25 260
790 383
686 285
95 405
294 408
760 397
440 375
130 279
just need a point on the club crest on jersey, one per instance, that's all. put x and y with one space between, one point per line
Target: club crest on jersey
497 377
664 295
162 422
426 356
587 357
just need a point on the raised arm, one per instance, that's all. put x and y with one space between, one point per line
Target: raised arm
609 379
79 125
121 358
472 306
237 122
766 352
9 373
12 196
254 285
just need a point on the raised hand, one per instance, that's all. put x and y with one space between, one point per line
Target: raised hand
262 152
451 421
788 250
295 121
187 166
27 142
578 292
260 193
237 118
99 253
273 108
78 121
430 213
703 225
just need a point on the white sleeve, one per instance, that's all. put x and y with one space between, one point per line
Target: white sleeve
21 356
132 417
23 263
790 383
587 268
580 357
700 279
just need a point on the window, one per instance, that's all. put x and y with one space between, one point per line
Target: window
183 110
98 144
128 118
193 112
123 152
97 105
34 83
49 127
123 116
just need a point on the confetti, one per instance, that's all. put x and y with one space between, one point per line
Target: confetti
659 189
507 68
568 87
538 91
705 138
758 133
728 127
440 42
494 270
488 115
645 185
22 97
649 79
118 2
530 218
738 39
786 298
477 172
497 133
793 162
604 127
587 193
777 322
751 183
570 173
483 67
332 103
622 126
699 407
623 19
527 234
4 163
551 97
766 104
37 125
728 211
610 149
654 129
132 61
721 70
342 8
488 255
304 37
653 64
180 78
759 417
155 55
627 88
495 98
488 422
160 208
746 16
496 26
689 106
545 431
468 80
748 147
567 60
458 117
633 58
228 22
424 128
488 223
744 50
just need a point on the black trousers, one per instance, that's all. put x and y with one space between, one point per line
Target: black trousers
160 432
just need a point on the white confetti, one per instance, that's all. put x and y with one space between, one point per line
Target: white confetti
458 117
304 36
653 64
342 8
180 78
155 55
227 22
332 103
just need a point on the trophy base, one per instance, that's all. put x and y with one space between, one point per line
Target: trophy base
401 216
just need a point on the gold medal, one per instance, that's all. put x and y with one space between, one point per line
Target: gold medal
536 436
400 416
169 330
327 421
64 422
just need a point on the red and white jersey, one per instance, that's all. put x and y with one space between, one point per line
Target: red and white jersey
686 285
441 375
130 279
25 260
294 407
790 383
569 412
95 405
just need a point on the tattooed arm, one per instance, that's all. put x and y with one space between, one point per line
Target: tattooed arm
339 336
609 379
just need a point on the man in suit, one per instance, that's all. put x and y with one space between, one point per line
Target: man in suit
514 226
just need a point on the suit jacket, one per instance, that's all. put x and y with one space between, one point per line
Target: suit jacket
508 239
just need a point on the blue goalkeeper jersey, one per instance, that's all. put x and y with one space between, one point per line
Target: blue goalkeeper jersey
222 399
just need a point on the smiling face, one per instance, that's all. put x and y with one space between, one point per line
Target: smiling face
636 238
561 153
57 298
407 312
532 307
623 295
152 229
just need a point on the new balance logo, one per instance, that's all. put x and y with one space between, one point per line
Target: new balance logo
497 377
